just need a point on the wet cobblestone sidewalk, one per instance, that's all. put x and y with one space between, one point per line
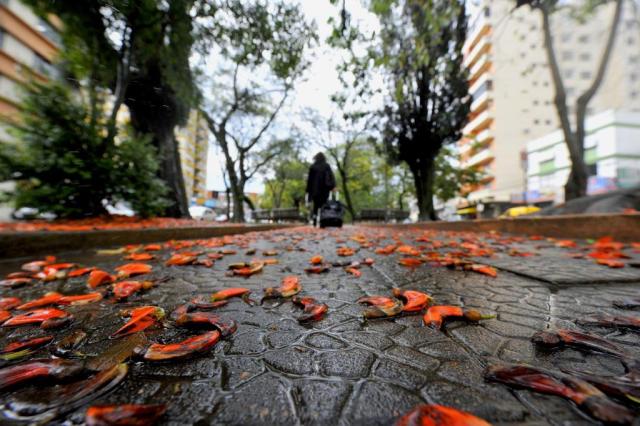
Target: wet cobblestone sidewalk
342 369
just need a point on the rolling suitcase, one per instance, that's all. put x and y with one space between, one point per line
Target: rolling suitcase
331 213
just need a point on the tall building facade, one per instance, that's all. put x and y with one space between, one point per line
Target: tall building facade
193 144
28 48
512 91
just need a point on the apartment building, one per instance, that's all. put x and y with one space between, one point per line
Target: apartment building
28 48
512 91
193 145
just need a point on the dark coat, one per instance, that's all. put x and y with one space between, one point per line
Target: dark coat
320 180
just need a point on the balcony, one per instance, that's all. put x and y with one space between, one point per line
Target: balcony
481 66
478 123
479 27
483 46
481 102
481 158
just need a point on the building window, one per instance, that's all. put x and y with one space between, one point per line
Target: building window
585 56
590 155
1 38
547 122
568 73
536 121
526 131
565 37
548 166
583 38
536 102
487 12
567 55
633 95
585 75
630 41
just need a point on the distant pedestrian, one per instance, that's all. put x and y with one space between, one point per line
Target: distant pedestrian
320 183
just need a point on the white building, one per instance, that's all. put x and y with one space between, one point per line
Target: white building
612 153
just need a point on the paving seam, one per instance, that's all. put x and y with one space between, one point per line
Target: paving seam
518 395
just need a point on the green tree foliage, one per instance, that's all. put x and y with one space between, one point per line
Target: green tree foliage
451 177
286 182
140 50
418 50
262 45
362 179
63 163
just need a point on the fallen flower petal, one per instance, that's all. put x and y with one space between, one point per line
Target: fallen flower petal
80 272
124 289
319 269
51 369
229 293
140 256
410 262
128 414
9 303
290 286
611 321
47 318
181 260
610 263
439 415
80 299
207 319
381 306
131 269
313 311
48 299
587 397
98 277
183 349
414 301
26 343
141 319
483 269
354 271
316 260
15 282
436 315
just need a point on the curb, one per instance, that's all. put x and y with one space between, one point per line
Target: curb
622 227
19 244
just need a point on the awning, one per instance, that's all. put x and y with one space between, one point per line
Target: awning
468 210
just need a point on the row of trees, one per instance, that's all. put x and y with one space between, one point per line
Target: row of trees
238 62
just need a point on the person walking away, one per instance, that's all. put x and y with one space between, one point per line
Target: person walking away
320 183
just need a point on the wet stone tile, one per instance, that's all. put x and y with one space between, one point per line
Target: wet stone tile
401 374
324 341
293 360
261 401
320 402
377 403
352 363
372 340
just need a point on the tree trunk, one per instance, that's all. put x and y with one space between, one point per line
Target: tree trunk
577 182
347 195
423 177
153 112
237 194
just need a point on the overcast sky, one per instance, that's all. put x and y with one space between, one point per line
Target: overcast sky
320 82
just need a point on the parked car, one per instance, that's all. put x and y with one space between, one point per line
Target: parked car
202 213
520 211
